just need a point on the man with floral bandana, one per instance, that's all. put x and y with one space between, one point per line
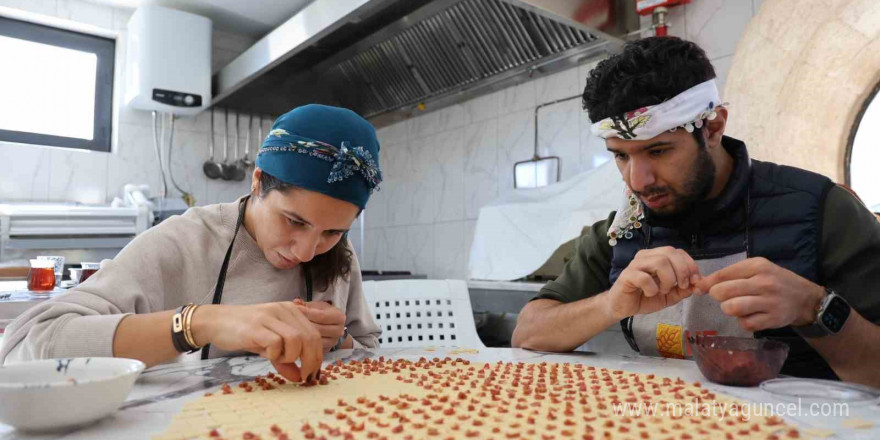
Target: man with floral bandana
709 241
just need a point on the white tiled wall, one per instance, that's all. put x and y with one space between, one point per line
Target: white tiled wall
715 25
35 173
442 167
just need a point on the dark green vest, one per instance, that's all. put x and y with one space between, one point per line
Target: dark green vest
768 210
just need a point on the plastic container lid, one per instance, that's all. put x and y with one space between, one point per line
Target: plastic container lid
819 389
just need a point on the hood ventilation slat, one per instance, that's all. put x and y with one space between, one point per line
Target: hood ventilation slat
467 42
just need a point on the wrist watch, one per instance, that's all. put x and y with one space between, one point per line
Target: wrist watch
831 315
341 340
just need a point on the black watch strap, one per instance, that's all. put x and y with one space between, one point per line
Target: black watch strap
178 334
813 330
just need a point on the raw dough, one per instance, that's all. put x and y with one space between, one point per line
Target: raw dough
454 398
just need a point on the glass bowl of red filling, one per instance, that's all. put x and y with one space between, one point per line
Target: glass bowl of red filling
744 362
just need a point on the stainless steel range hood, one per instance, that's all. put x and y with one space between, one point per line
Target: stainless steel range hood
389 59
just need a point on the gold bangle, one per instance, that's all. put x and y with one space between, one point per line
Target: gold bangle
187 328
183 321
187 325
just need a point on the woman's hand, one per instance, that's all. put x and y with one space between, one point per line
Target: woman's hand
279 332
327 319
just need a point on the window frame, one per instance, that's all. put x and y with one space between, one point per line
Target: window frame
105 50
851 142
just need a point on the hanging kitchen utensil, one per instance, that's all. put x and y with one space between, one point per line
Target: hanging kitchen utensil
238 170
228 169
260 138
245 161
211 168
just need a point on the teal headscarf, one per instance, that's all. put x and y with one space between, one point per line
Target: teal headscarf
326 149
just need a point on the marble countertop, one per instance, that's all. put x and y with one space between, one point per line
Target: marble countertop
161 391
525 286
15 299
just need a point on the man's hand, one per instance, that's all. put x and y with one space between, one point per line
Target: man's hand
655 279
762 295
327 319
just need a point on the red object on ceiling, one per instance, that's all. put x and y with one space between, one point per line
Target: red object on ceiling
598 14
646 7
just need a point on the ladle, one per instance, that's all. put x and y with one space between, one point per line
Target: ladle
211 168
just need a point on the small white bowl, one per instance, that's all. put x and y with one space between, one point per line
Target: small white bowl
61 394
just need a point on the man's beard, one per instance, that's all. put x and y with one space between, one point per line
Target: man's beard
696 188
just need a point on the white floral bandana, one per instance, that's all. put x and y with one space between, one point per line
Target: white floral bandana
686 110
627 218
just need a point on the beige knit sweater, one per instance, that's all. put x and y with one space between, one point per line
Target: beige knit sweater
174 263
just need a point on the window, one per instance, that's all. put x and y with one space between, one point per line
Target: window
56 86
536 172
863 157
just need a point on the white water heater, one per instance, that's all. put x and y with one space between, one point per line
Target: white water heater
168 61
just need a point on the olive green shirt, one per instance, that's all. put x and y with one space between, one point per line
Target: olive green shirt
850 258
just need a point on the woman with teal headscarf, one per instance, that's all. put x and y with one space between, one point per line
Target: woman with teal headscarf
272 273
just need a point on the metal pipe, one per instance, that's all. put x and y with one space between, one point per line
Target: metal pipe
660 25
546 104
536 157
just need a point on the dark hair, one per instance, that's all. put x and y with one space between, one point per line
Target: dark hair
648 71
324 268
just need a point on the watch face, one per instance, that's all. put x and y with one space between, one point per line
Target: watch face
835 314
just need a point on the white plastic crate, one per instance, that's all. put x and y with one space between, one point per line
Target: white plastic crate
419 313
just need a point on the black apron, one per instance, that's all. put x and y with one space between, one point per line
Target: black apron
221 278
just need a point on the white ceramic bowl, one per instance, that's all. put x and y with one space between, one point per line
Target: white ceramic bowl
60 394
